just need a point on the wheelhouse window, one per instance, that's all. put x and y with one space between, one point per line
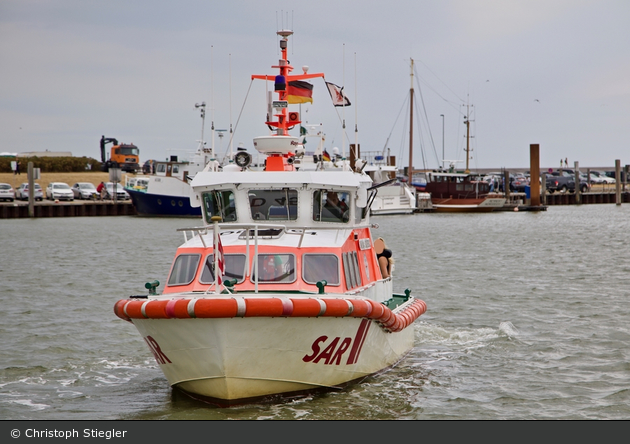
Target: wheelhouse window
331 206
184 269
220 203
234 268
161 168
275 268
277 205
317 267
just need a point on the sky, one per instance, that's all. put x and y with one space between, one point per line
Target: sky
550 72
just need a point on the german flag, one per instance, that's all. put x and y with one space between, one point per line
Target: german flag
326 156
299 91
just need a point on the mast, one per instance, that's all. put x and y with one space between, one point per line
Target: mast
281 81
410 173
467 122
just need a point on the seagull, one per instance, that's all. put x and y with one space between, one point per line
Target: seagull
536 100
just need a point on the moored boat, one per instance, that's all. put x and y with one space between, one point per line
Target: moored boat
280 291
397 196
459 193
164 190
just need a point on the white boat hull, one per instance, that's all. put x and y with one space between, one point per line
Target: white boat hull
394 199
242 358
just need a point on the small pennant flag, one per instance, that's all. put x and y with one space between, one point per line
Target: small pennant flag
337 95
299 92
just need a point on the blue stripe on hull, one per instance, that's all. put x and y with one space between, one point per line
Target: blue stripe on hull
161 205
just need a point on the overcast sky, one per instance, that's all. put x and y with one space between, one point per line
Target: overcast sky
549 72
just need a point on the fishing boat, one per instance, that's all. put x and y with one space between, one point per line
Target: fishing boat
279 292
455 192
165 188
461 192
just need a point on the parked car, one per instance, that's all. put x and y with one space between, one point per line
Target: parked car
84 190
519 183
22 192
59 191
564 182
7 192
604 178
121 194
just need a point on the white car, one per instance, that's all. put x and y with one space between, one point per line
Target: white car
604 178
7 192
59 191
84 190
22 192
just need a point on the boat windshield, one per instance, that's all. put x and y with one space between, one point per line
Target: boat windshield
220 203
235 268
331 206
184 269
274 268
317 267
279 204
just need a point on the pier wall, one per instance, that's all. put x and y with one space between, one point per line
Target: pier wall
74 209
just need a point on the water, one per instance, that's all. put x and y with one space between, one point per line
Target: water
527 319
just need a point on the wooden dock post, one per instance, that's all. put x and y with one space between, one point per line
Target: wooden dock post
618 181
578 189
534 173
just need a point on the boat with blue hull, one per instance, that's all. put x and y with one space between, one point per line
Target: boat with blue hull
150 204
164 190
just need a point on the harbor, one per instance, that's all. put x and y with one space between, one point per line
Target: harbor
513 334
95 208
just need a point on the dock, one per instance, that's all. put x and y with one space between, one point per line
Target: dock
17 210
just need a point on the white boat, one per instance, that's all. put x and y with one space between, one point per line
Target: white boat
294 299
395 196
165 189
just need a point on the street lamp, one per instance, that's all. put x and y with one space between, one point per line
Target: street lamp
442 140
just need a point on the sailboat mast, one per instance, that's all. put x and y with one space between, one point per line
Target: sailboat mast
410 173
467 122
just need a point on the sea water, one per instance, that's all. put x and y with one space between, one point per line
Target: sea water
528 318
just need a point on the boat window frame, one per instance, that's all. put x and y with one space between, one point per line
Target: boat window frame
210 257
175 264
232 215
256 271
318 205
263 213
347 270
306 257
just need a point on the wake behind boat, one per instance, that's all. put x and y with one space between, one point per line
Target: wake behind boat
283 289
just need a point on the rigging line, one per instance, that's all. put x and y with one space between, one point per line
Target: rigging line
341 119
428 126
447 87
239 117
356 105
422 145
404 106
449 102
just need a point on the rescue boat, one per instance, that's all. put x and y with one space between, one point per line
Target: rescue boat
279 291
